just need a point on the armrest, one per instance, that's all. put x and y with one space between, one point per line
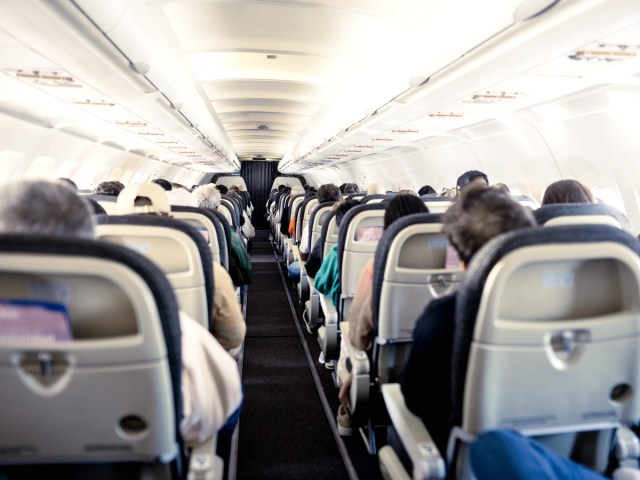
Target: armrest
425 457
328 333
360 371
203 462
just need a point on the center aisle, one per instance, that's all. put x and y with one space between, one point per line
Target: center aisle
284 432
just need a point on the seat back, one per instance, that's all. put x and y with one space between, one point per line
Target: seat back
414 264
228 210
302 215
358 238
235 206
316 221
437 204
114 388
546 337
108 202
377 198
209 226
177 248
329 233
580 213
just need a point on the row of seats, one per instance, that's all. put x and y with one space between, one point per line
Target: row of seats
408 273
123 293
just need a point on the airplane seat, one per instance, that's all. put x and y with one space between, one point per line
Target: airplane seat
177 248
437 204
355 196
305 213
108 202
226 234
232 202
377 198
317 220
289 241
209 226
358 236
276 222
104 399
414 264
95 207
579 213
546 342
226 209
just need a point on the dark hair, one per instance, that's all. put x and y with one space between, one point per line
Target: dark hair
479 214
109 188
470 176
567 191
503 187
328 192
223 189
401 205
344 207
67 182
426 190
166 184
351 188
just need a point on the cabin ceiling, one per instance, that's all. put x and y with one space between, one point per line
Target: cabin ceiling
308 83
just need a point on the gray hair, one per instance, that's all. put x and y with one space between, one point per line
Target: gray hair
207 196
45 208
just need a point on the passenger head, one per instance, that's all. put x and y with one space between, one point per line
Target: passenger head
426 190
503 187
479 214
145 197
46 208
402 205
67 182
472 176
407 191
207 196
328 192
375 188
222 189
342 208
165 184
567 191
234 189
297 190
111 187
350 188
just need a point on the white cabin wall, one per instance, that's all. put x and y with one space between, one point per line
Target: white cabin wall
35 151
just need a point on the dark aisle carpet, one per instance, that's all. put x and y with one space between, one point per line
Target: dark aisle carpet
284 432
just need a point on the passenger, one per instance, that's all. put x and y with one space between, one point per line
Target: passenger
208 196
361 328
508 454
407 191
503 187
179 195
165 184
228 325
375 188
471 176
426 190
222 189
211 387
350 188
112 188
567 191
327 279
479 215
67 182
326 193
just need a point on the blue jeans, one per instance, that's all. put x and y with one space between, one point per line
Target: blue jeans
508 454
294 271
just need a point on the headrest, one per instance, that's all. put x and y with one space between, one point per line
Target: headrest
155 193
